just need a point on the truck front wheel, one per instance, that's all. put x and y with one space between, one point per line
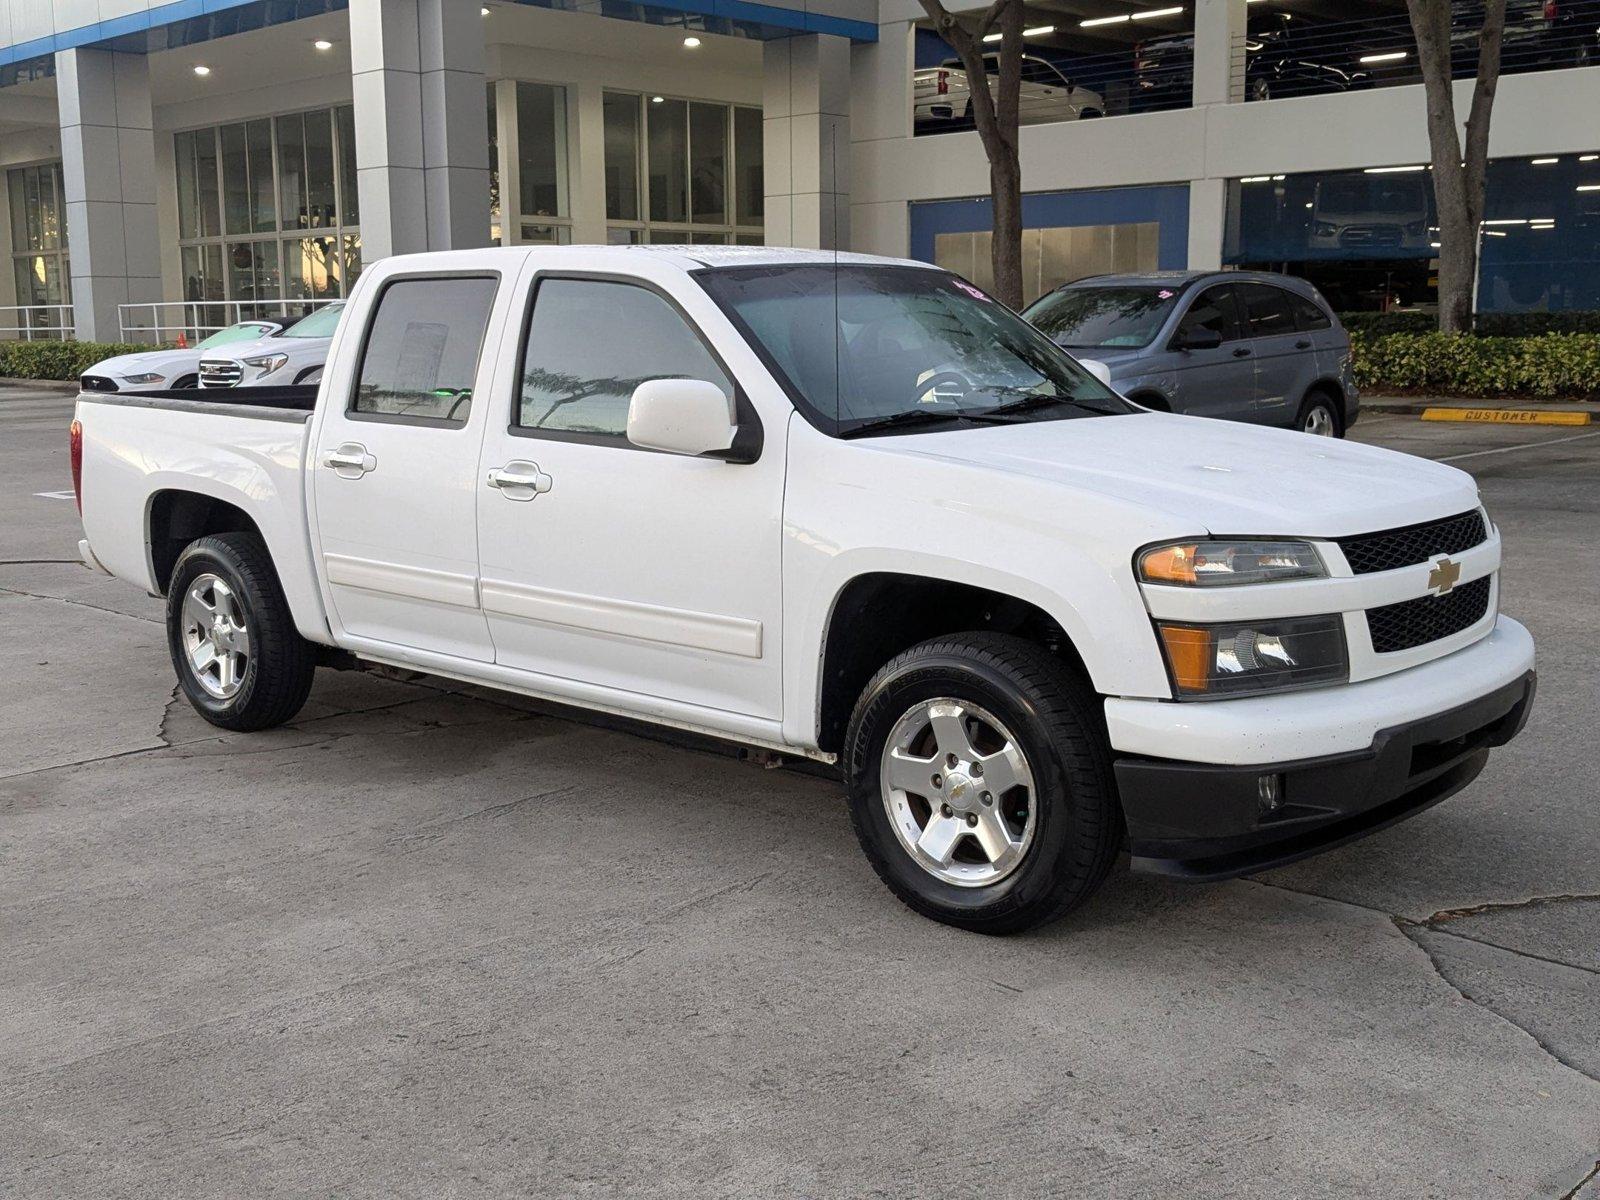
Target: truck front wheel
234 646
980 783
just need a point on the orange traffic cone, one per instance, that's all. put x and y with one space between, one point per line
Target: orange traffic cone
183 342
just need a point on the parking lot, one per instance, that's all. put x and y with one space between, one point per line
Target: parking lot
431 940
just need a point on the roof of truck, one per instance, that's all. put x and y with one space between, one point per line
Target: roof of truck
691 257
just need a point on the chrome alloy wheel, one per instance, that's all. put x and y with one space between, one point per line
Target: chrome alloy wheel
1319 421
215 639
959 792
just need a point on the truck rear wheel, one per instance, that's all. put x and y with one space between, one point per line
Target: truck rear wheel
234 646
980 783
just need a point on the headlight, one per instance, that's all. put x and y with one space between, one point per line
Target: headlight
1223 564
265 364
1251 657
146 377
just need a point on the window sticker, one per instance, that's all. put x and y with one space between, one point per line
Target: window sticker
971 291
1165 294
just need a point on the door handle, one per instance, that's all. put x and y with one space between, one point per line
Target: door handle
1242 352
520 480
1302 344
350 460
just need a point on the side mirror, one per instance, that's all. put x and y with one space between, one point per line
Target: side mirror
1199 338
681 416
1096 368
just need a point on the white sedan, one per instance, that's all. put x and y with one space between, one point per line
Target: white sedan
172 367
942 95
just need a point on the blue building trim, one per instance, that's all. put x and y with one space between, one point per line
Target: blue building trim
737 17
1167 206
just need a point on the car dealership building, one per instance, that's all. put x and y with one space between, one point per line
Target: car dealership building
171 165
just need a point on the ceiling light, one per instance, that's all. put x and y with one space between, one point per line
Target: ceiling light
1038 31
1589 187
1588 157
200 70
1390 56
1390 170
1506 221
323 44
691 42
1093 21
1494 233
1158 12
657 99
1256 179
1545 162
484 11
993 37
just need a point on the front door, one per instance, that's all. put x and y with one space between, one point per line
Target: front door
613 567
1220 381
394 461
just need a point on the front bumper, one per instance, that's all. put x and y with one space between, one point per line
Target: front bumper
1201 819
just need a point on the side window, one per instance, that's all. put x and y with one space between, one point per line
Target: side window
590 343
422 350
1267 310
1212 309
1309 313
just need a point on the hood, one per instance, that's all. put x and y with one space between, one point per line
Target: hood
164 362
250 349
1219 477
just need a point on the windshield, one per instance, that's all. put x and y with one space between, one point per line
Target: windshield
911 343
245 331
321 323
1103 316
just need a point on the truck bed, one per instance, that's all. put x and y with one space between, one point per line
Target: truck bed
241 402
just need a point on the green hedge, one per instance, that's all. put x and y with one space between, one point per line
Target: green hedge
1565 365
56 360
1523 324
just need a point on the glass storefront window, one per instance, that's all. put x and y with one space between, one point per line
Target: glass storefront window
698 165
542 150
274 180
39 265
622 157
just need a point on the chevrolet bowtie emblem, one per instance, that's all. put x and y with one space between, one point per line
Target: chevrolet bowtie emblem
1444 575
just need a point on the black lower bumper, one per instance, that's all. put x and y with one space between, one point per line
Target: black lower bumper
1200 821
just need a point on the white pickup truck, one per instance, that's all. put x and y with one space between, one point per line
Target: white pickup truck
844 508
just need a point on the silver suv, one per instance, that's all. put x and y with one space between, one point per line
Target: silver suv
1242 345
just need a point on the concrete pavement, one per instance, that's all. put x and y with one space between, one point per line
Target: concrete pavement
434 941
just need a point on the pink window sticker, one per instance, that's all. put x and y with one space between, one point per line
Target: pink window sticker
971 291
1164 294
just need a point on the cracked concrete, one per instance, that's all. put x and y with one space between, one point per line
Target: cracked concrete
435 940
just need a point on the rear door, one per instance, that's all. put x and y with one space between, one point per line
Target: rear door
394 463
1219 382
1284 356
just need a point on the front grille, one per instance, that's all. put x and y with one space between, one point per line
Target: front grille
1413 544
1370 235
97 383
1427 618
220 373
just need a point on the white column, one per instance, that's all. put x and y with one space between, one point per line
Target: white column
806 149
586 157
422 133
1219 29
108 168
880 121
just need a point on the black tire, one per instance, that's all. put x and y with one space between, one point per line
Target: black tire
308 376
186 381
1329 406
277 675
1054 719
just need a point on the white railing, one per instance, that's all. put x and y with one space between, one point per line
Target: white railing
36 322
162 321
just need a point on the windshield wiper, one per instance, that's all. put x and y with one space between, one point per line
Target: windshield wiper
910 417
1031 403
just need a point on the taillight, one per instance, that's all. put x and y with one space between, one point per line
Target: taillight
1551 10
944 82
75 441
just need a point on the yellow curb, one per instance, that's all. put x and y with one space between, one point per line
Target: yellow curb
1507 416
